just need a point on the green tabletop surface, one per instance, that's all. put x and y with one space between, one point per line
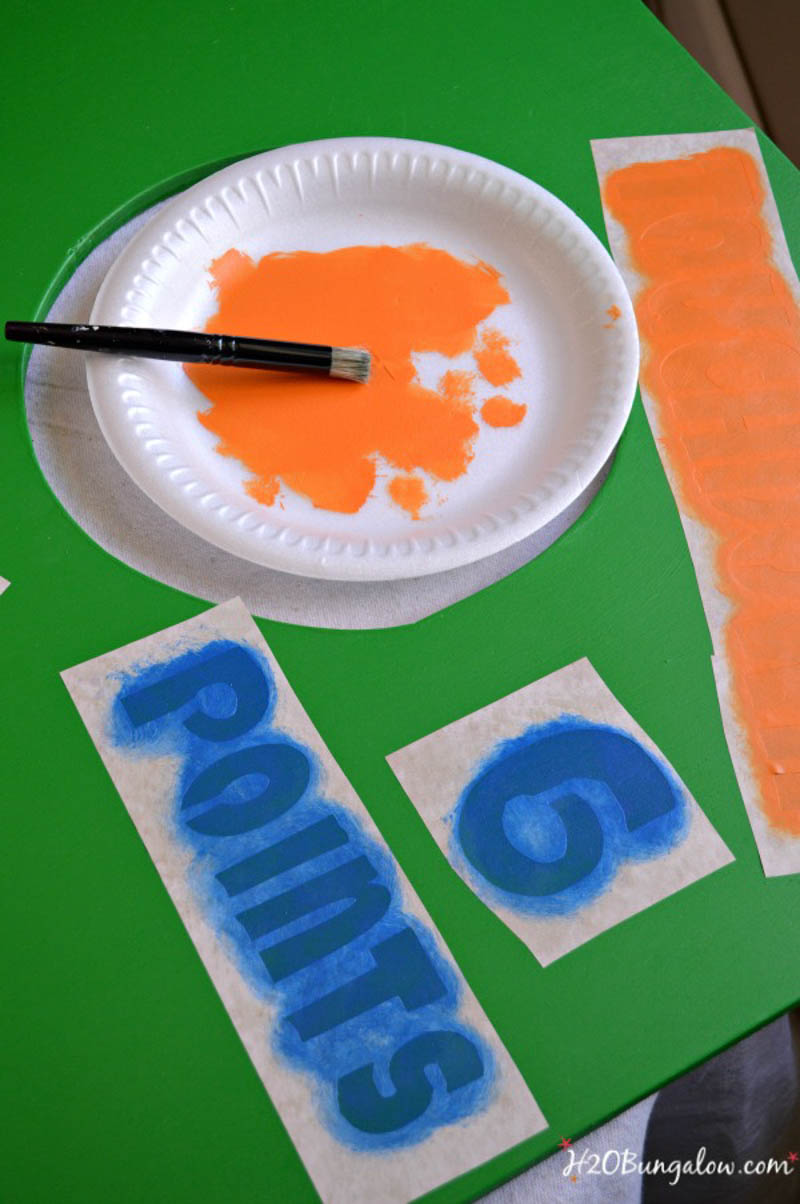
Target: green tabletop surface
123 1078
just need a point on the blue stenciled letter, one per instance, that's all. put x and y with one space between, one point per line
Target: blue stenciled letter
302 846
624 789
353 881
362 1104
232 666
287 773
402 969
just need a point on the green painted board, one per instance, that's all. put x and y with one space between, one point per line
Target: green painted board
123 1077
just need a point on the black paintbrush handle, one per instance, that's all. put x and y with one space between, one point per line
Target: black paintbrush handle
188 346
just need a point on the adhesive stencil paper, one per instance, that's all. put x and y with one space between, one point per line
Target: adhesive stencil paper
694 229
379 1059
558 811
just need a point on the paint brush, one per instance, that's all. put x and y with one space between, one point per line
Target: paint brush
189 346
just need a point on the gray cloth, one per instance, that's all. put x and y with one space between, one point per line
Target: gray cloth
743 1105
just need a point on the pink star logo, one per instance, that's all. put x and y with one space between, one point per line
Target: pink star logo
565 1143
793 1156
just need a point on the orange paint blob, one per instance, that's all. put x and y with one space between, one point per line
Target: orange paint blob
320 437
408 492
722 333
494 360
501 411
613 312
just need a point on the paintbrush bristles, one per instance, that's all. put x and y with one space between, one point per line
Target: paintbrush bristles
350 363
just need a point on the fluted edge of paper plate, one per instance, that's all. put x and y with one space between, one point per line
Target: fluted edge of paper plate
289 176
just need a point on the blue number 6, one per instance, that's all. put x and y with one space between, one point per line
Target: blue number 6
547 760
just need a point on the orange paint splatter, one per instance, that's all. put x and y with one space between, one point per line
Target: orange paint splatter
321 438
613 312
501 411
495 362
723 364
408 492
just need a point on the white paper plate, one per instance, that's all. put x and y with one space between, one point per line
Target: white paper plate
578 369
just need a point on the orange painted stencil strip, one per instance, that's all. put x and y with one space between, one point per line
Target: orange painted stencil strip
721 380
